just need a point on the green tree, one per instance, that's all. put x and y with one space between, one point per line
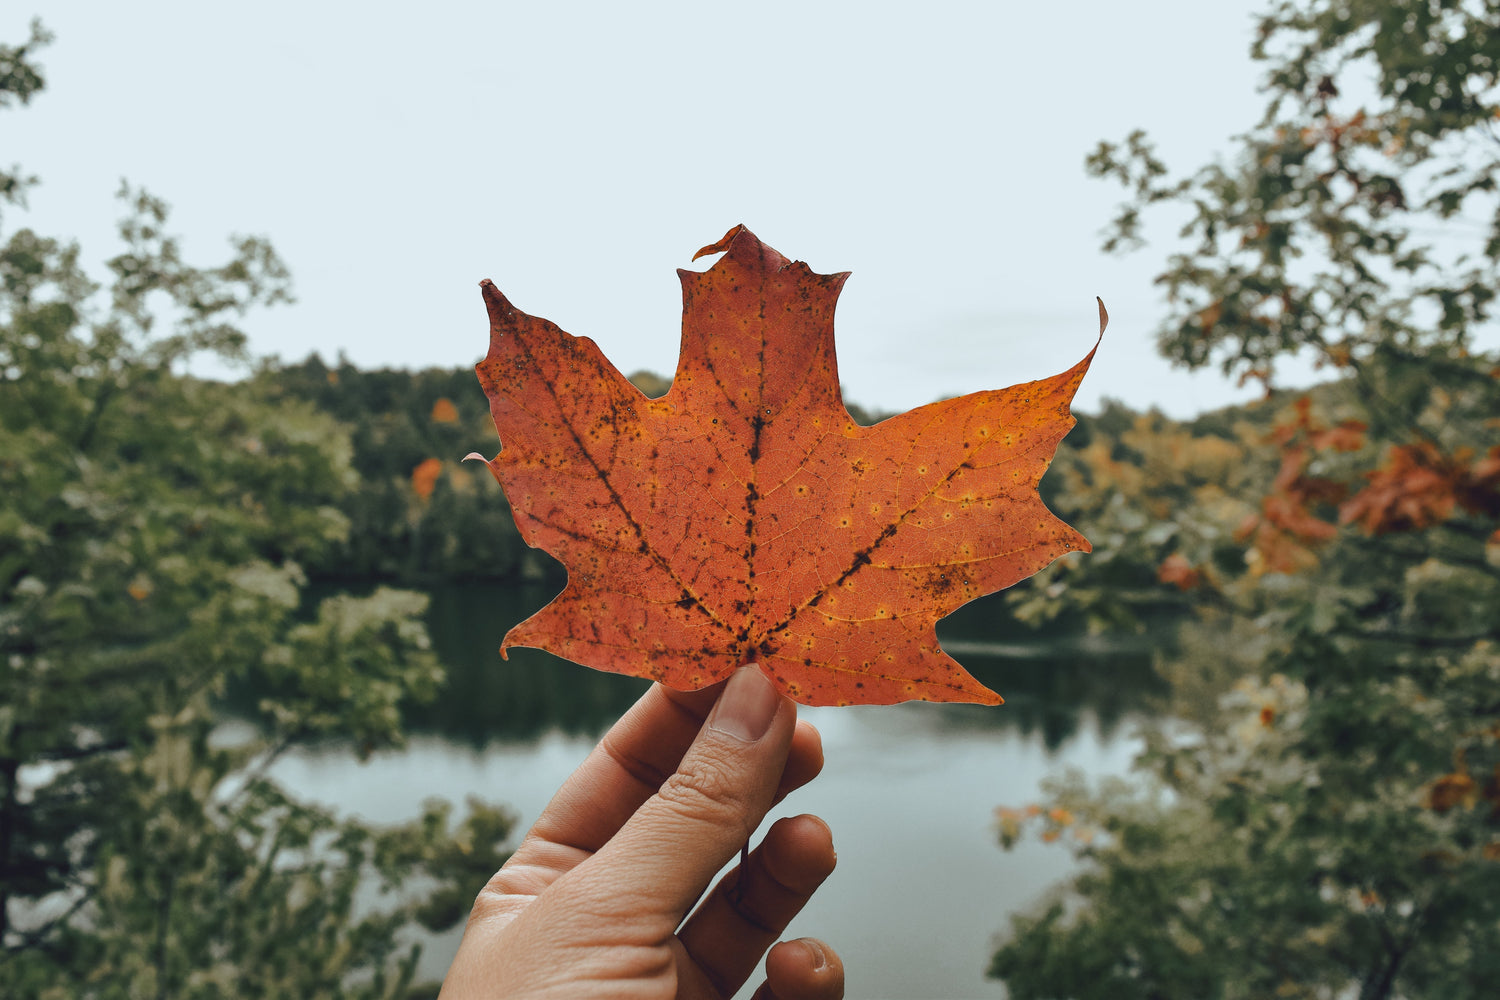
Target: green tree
458 526
1322 816
152 532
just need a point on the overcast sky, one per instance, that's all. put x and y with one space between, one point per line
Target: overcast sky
578 153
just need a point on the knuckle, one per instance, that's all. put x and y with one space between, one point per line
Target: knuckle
490 903
705 790
504 894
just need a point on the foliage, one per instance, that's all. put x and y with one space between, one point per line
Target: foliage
1322 816
458 525
153 527
744 516
20 78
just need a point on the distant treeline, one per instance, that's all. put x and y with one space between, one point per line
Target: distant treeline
422 515
448 521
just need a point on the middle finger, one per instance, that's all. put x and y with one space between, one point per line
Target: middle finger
751 906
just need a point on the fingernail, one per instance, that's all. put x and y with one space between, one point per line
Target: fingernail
747 706
814 949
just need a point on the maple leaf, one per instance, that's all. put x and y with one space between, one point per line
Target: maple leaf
744 517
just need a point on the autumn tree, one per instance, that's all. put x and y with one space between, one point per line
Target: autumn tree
152 532
1322 818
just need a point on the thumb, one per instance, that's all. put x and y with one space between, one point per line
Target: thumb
665 855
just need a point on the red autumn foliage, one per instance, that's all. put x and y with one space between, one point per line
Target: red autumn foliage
1288 527
1346 436
1415 488
744 516
1479 489
425 476
1178 572
1417 485
1451 790
444 412
1278 551
1293 492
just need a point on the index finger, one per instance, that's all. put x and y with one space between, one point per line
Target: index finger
630 763
627 767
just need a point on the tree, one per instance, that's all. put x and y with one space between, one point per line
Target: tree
152 529
1322 818
459 526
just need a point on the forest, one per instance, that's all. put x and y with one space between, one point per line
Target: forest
1315 812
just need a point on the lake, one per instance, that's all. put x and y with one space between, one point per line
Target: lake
922 889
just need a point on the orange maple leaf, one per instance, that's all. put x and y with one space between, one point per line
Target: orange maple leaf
744 517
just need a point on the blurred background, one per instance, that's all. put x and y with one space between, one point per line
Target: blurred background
255 737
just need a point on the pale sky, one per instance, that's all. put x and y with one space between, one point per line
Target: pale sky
578 153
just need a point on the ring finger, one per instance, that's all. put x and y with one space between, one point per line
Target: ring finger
750 907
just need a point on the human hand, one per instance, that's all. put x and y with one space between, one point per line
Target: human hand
592 904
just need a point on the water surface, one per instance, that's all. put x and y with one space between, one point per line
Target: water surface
922 888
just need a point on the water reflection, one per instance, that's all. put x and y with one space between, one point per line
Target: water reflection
1049 682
